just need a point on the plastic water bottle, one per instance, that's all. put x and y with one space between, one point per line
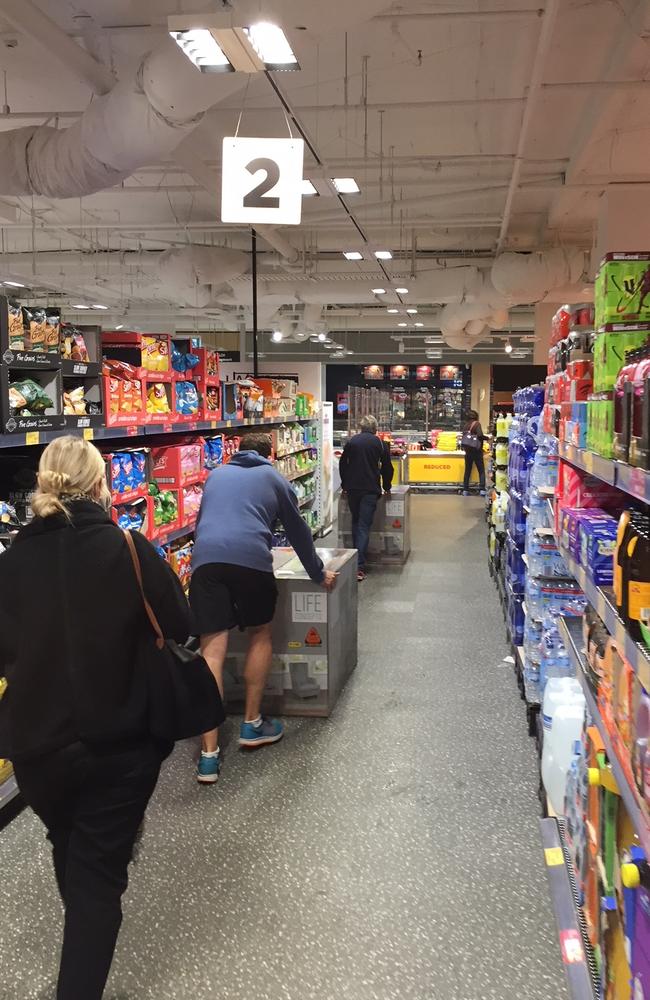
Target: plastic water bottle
557 752
558 691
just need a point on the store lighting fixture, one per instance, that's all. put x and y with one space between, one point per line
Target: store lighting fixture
349 352
308 188
96 305
214 45
346 185
79 305
402 324
383 255
352 255
378 291
419 324
328 347
120 326
508 347
276 336
412 310
393 311
314 340
14 284
322 337
402 291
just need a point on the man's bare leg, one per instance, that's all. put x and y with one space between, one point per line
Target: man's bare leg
257 668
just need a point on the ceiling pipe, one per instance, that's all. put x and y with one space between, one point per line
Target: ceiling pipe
543 45
486 16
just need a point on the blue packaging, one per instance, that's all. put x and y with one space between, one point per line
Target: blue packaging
597 545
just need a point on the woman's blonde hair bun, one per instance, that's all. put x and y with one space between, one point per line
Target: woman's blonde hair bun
69 466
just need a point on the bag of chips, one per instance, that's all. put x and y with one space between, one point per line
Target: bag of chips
74 402
187 399
157 401
52 330
28 397
16 328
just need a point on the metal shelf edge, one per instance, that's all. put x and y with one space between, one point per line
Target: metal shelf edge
8 791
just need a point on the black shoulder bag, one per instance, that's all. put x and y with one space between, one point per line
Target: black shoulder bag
183 695
470 439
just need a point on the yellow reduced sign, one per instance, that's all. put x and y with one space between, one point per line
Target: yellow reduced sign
431 468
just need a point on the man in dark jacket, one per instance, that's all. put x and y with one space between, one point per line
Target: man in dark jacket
233 582
365 466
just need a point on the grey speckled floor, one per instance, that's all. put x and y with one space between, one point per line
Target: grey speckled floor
389 852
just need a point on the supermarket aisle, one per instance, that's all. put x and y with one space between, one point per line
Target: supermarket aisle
390 852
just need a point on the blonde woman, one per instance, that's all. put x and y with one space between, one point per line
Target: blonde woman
73 719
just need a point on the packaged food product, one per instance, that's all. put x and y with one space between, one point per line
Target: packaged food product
52 330
74 402
157 401
155 354
212 401
35 329
16 327
28 397
73 345
187 399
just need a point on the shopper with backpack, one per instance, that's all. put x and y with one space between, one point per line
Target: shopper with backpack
472 444
75 718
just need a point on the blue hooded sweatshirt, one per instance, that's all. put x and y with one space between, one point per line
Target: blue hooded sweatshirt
241 503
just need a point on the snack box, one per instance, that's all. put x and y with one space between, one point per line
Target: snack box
149 351
178 465
159 403
124 401
231 401
169 499
135 515
189 500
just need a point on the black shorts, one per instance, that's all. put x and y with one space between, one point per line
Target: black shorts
224 596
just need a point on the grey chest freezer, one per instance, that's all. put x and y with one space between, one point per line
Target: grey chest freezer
314 639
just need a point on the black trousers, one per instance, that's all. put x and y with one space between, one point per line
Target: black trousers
92 803
474 456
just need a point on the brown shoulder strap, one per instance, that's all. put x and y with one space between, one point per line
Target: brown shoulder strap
160 638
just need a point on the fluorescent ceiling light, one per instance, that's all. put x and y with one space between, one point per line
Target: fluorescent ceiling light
352 255
378 291
96 305
322 337
392 311
120 326
345 185
200 47
14 284
508 347
402 324
383 255
314 340
419 324
349 352
328 347
276 336
79 305
412 310
402 291
308 188
271 45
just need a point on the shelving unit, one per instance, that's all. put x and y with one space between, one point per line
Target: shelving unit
8 791
636 809
577 957
635 482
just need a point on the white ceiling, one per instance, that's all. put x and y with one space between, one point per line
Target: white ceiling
430 132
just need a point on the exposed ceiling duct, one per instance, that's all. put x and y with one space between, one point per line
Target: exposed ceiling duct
194 276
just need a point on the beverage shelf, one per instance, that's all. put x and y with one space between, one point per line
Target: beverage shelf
635 482
577 957
602 600
572 635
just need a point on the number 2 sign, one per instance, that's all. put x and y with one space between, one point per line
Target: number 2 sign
261 181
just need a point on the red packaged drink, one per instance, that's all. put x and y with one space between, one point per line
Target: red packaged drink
560 324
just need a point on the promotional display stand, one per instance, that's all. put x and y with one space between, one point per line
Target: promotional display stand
314 639
390 538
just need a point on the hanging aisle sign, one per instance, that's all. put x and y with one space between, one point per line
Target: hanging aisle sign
261 181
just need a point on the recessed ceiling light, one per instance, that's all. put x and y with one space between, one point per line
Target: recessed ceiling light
307 188
328 347
419 324
321 337
412 310
508 347
96 305
392 311
276 336
402 291
345 185
79 305
378 291
200 47
402 324
349 352
383 255
314 340
14 284
352 255
120 326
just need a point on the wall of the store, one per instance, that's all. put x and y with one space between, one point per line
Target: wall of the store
309 373
481 384
508 378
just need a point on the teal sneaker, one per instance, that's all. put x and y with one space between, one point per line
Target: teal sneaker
260 734
208 770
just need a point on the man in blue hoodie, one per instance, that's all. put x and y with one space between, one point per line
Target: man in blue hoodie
233 582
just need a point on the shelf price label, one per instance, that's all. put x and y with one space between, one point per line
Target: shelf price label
89 434
554 856
32 437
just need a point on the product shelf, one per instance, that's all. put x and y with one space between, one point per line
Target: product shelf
635 482
166 538
142 430
303 472
637 812
307 500
297 451
8 791
577 957
603 602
